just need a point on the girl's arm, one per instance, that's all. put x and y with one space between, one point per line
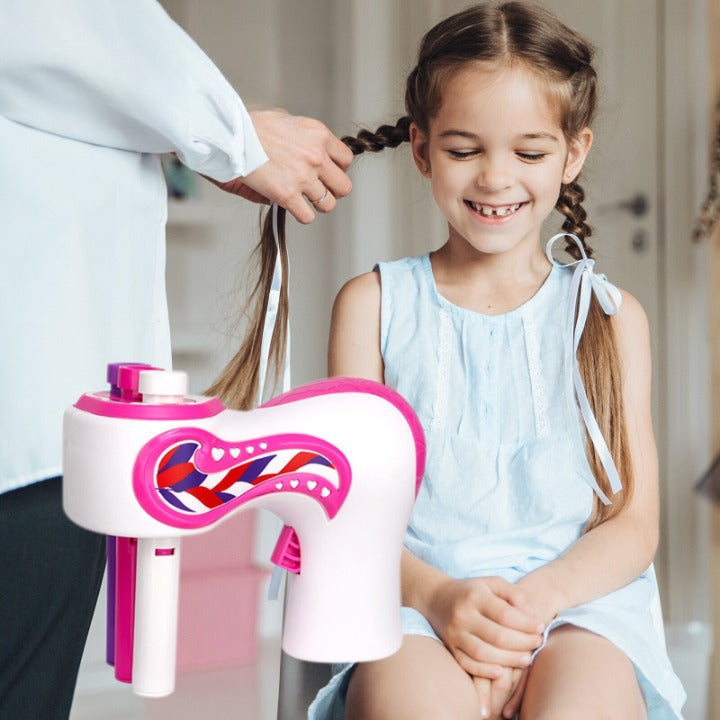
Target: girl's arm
486 623
354 346
615 552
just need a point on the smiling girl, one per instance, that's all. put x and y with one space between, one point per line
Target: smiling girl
527 570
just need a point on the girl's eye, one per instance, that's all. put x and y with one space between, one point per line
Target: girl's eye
531 157
462 154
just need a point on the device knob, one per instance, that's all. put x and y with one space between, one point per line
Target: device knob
163 386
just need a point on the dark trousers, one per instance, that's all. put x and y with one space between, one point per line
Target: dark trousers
50 575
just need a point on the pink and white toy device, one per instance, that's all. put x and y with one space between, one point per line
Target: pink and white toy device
339 461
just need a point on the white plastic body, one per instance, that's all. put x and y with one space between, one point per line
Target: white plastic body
156 614
345 603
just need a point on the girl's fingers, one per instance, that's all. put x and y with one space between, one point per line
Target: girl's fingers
488 671
483 688
487 661
500 636
508 607
512 706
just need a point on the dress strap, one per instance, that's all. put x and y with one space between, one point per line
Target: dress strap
584 283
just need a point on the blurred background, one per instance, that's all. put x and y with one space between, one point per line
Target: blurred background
345 62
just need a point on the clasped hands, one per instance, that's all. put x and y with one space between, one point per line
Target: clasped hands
491 629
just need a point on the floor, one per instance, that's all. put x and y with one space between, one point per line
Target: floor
246 692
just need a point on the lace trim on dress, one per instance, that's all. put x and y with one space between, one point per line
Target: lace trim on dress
537 386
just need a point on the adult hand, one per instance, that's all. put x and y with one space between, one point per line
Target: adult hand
306 163
486 623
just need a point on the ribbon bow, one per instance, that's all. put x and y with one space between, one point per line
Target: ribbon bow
584 283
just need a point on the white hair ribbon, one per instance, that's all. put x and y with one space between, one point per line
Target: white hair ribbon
270 319
584 283
273 303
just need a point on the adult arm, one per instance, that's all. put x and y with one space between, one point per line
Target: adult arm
124 75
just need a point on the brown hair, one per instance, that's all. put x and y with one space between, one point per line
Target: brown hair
237 384
501 34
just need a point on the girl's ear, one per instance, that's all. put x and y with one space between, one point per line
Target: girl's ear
419 144
578 148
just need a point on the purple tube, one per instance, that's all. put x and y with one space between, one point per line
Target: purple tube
110 627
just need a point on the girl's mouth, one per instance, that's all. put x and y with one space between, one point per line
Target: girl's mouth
496 213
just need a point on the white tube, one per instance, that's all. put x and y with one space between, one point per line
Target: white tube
156 613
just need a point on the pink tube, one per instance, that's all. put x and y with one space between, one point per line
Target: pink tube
125 571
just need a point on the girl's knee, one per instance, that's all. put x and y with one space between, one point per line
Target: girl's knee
566 680
420 682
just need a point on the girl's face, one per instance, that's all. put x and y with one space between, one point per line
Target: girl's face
496 157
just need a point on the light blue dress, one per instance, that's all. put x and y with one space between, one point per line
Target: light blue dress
507 486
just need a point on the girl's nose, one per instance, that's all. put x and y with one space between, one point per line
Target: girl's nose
495 173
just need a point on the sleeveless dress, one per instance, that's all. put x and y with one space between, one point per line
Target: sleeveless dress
507 485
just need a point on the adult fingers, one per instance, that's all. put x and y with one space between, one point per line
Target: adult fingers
333 176
322 200
339 152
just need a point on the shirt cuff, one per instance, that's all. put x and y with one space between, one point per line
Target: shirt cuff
254 154
229 148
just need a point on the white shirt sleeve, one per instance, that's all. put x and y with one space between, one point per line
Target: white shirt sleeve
122 74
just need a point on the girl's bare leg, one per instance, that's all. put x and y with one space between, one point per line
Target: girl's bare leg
422 681
582 675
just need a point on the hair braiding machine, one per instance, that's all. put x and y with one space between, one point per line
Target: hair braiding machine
338 461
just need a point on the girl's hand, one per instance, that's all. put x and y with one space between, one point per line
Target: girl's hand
512 706
500 699
543 597
486 623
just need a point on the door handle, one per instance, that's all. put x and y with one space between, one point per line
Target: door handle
638 205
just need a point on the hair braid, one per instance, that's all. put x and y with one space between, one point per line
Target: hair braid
385 136
569 204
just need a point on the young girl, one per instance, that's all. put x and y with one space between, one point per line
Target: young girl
527 574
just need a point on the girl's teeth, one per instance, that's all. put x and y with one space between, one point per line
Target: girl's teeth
497 212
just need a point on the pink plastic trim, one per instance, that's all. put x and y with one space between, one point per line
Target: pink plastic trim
345 384
125 569
101 403
286 554
305 483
